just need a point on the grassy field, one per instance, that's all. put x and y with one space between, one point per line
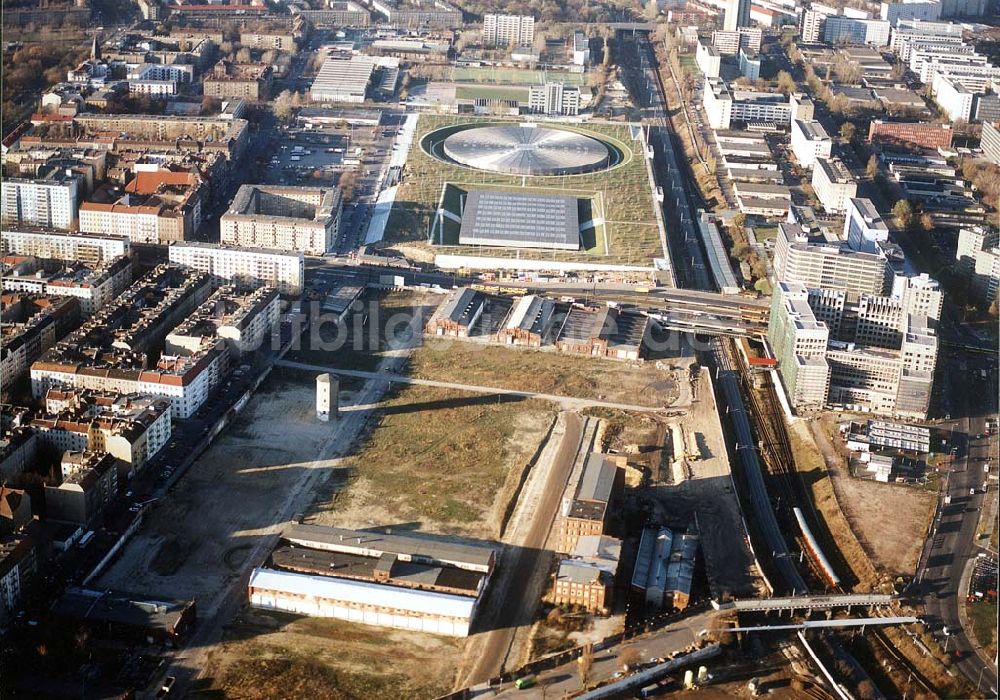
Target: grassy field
546 372
439 460
628 204
273 655
471 92
514 76
983 617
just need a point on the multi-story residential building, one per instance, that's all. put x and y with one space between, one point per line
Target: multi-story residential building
908 33
817 263
749 65
737 15
802 106
724 107
416 14
990 142
709 60
923 10
799 341
838 29
923 54
18 448
278 41
305 219
244 321
49 202
508 30
30 326
110 351
93 286
89 485
978 254
864 227
92 249
245 268
833 184
250 81
156 207
730 42
18 564
338 13
810 142
813 24
909 134
554 98
131 428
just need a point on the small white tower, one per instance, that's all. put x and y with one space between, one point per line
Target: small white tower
327 390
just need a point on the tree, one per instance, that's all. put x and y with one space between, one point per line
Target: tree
210 105
651 11
347 182
739 222
243 56
848 131
282 106
584 664
786 83
926 222
872 168
902 212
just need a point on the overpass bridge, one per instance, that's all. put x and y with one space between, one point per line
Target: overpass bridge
820 624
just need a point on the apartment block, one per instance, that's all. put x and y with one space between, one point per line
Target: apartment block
244 268
304 219
838 29
112 351
864 227
909 135
908 33
554 98
30 326
92 286
990 142
709 60
729 42
88 248
250 81
817 263
724 107
132 428
49 202
267 41
923 10
833 184
508 30
89 485
244 321
978 255
810 142
799 341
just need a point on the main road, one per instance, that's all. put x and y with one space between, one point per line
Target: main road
953 543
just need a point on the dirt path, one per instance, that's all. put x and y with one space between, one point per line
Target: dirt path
568 403
525 562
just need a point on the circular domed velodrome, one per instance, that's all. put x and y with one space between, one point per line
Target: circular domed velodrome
520 149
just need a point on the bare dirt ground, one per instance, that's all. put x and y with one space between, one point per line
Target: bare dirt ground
199 536
890 521
270 655
706 498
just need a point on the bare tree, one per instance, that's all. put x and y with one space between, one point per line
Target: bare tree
585 663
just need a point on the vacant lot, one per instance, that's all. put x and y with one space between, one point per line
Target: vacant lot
890 520
201 534
439 460
271 655
544 371
983 616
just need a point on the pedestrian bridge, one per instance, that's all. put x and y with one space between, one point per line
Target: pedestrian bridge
806 602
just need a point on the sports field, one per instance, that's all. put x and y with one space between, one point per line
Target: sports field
515 76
